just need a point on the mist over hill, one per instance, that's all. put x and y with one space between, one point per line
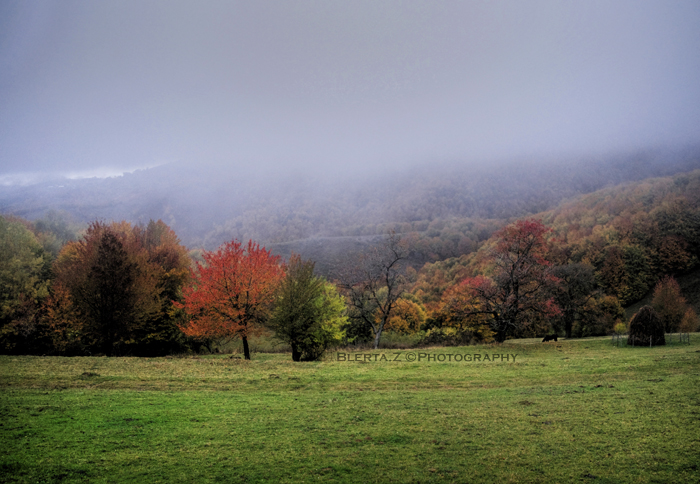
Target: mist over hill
296 208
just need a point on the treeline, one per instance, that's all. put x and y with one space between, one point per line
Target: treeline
108 292
122 289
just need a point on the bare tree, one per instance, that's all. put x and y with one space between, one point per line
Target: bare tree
376 282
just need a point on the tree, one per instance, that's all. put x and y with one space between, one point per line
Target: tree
231 294
22 285
111 286
119 280
309 313
408 316
376 283
624 271
170 263
575 286
63 326
673 256
669 304
456 310
517 293
332 317
110 295
690 322
611 271
599 316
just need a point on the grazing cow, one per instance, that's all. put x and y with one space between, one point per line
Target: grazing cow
550 337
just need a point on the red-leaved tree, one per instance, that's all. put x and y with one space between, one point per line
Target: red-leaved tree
517 293
231 293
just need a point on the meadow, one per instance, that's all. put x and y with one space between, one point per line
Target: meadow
573 411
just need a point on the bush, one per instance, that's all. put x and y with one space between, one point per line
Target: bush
690 322
451 337
400 341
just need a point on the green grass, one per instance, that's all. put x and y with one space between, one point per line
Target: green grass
573 411
267 343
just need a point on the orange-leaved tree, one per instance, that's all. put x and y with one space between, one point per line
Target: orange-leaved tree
669 303
231 293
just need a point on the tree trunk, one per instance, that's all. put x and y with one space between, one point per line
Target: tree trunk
296 354
377 337
246 350
569 317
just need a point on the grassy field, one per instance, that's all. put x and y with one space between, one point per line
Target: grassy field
573 411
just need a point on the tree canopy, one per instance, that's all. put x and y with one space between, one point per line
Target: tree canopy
309 313
517 291
117 284
22 285
231 294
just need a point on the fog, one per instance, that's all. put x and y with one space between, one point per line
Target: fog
102 87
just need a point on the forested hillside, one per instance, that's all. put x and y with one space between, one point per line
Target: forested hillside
630 235
453 207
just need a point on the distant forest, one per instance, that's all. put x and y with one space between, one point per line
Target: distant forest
452 207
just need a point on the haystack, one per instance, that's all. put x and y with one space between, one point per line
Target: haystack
646 328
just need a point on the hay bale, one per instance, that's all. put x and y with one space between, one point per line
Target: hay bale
646 328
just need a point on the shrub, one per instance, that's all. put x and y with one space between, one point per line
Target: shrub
690 322
448 336
400 341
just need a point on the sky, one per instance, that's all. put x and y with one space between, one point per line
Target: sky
90 88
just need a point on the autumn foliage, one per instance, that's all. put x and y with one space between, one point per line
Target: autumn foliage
113 291
122 289
408 317
669 304
231 293
22 287
517 293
